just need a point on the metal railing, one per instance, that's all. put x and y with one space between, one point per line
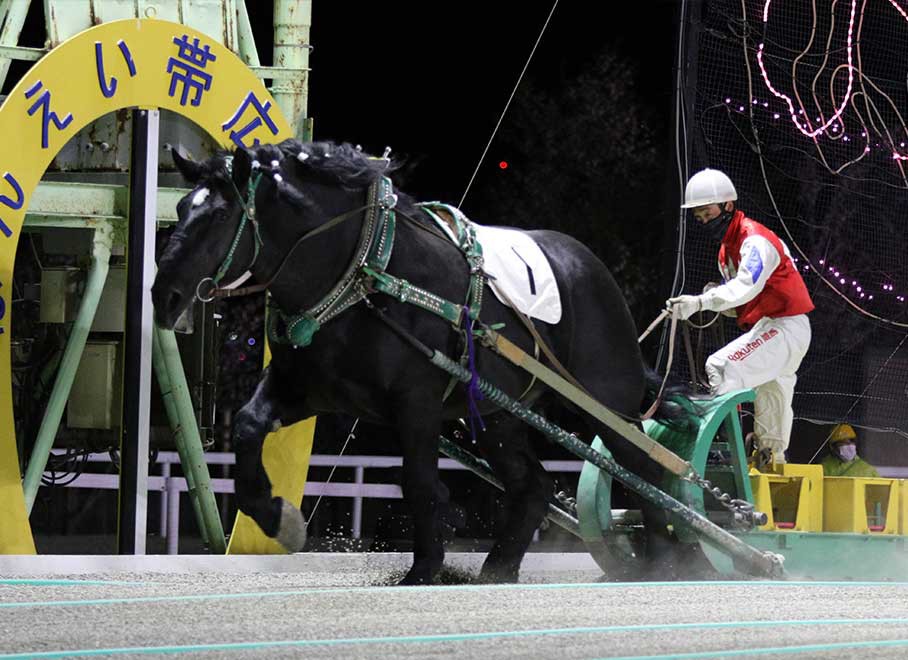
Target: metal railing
170 487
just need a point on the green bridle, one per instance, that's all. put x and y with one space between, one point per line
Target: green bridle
249 214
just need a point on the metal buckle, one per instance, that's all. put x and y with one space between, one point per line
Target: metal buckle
210 296
389 201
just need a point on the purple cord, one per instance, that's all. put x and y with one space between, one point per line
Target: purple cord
474 394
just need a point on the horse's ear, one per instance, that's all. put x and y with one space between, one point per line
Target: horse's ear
190 169
242 166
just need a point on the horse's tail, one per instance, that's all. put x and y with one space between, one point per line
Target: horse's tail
676 406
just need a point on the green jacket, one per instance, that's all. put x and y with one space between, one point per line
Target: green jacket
834 467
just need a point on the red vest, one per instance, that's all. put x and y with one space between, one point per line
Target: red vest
784 293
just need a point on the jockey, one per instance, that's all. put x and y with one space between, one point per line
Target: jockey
770 300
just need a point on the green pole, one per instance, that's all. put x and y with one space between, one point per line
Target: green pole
761 563
246 40
292 22
173 416
189 442
15 12
94 285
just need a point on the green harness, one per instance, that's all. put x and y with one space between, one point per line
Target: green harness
366 273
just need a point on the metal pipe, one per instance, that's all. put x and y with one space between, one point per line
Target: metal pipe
162 530
173 515
292 22
132 513
94 285
173 416
359 476
481 469
189 444
246 40
763 563
12 28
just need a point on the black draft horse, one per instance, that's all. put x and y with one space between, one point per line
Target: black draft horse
356 364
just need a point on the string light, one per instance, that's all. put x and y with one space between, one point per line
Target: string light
860 290
838 113
833 132
853 64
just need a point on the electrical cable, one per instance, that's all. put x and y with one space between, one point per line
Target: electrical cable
506 105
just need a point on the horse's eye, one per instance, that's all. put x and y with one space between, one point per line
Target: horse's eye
199 198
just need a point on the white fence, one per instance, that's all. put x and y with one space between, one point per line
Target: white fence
171 487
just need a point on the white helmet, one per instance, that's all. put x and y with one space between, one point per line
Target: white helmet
708 187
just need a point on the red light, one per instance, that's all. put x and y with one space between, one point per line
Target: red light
503 165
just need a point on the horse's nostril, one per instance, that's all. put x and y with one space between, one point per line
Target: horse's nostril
174 298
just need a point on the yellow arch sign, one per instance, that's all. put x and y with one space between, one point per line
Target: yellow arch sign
121 64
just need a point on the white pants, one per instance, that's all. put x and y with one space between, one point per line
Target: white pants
766 358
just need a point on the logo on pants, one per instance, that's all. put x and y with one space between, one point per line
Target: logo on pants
751 346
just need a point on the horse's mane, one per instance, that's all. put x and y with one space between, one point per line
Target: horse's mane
334 163
341 164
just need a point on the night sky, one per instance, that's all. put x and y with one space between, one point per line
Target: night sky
430 79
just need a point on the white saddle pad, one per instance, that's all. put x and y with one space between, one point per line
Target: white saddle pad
521 270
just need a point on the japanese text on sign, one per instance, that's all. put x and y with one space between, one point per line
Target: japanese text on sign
109 88
261 111
187 69
48 116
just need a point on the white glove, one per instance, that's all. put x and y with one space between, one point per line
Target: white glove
683 306
731 312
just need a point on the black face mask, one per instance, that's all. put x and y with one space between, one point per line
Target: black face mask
717 227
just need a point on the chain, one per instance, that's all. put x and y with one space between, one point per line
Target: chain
569 504
743 513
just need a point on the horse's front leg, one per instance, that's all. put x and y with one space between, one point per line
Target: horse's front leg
419 429
263 413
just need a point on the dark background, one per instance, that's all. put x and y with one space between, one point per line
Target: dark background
587 137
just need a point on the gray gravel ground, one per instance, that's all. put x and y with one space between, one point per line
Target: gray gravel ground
336 607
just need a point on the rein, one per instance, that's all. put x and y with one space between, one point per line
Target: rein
249 212
366 274
685 331
227 292
671 354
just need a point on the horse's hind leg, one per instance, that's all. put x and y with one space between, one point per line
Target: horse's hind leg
527 485
263 413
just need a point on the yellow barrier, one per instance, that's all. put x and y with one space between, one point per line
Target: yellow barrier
791 498
121 64
862 506
903 507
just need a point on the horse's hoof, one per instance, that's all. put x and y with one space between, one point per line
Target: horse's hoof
498 575
422 572
291 532
412 579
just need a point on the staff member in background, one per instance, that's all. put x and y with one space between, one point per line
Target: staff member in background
843 459
771 302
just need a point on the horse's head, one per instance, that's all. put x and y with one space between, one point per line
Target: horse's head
291 189
208 218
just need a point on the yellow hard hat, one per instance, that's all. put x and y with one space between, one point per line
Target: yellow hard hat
842 433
